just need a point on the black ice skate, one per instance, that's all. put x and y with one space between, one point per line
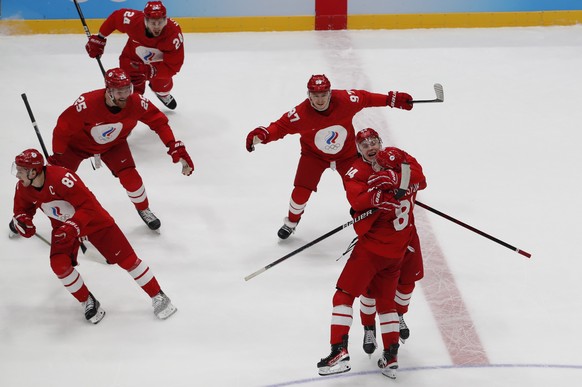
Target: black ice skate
286 229
168 101
404 331
389 361
338 360
370 344
13 233
150 219
93 311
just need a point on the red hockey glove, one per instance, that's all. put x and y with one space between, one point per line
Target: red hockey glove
399 100
55 159
67 232
256 136
177 150
384 201
95 46
24 225
141 72
384 180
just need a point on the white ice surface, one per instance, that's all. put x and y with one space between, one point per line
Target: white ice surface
499 153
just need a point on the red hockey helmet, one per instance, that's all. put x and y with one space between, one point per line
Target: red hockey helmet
318 83
366 134
30 159
116 79
390 158
154 10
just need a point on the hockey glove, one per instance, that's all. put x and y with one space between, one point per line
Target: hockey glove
95 46
384 180
55 159
24 226
67 232
177 150
384 201
256 136
399 100
141 72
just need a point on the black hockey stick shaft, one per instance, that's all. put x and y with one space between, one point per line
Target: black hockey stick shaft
46 155
33 120
88 33
324 236
468 227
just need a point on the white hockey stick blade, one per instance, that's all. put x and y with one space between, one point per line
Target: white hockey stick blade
440 94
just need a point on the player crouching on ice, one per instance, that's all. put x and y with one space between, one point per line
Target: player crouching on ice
75 213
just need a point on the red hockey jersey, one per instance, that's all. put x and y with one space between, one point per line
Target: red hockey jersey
91 127
63 196
164 52
329 135
386 233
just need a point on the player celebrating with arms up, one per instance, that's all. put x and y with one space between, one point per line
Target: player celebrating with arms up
154 50
98 124
324 122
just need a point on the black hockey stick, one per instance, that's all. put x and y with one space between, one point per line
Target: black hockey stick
448 217
88 33
335 230
440 95
46 155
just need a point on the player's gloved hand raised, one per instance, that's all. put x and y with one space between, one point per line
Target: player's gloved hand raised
384 180
399 100
256 136
95 46
177 150
67 232
24 226
55 159
141 72
384 201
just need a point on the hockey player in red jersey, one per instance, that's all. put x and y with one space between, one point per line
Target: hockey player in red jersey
75 213
369 144
98 124
324 122
154 51
389 186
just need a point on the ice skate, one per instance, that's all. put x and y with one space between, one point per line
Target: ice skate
370 344
93 311
404 331
389 361
337 361
287 229
150 219
13 233
168 101
163 307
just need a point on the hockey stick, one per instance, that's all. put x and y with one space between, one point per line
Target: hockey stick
335 230
440 95
88 33
448 217
90 254
37 131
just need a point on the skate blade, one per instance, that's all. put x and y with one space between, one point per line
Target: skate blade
336 369
164 314
98 316
389 373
